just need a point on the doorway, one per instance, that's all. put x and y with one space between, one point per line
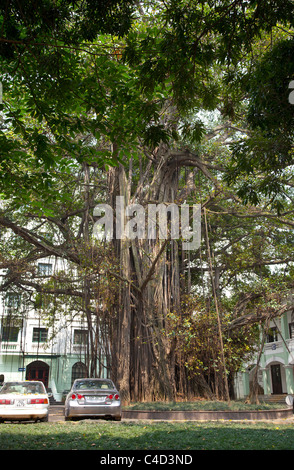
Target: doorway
276 379
38 370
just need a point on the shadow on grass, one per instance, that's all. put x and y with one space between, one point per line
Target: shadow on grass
99 435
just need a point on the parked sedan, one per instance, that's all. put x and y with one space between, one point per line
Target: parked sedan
93 398
26 400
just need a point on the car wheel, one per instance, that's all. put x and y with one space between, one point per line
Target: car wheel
44 420
66 414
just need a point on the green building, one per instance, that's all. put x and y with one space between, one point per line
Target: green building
276 367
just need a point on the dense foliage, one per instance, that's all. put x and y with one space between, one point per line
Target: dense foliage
160 102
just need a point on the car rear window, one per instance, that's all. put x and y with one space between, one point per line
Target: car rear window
93 385
23 388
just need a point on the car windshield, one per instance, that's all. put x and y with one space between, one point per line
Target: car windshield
25 388
93 385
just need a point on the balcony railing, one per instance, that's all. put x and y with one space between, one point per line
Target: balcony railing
273 346
6 346
78 347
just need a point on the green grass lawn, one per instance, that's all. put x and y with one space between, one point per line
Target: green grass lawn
108 435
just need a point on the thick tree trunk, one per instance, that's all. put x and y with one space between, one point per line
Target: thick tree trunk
144 353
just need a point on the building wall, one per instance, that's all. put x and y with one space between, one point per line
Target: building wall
276 368
59 353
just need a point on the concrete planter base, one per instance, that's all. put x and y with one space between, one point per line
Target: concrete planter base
208 415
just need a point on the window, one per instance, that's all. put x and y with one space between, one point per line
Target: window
45 269
94 384
25 388
12 301
9 334
40 335
80 337
291 330
272 335
79 371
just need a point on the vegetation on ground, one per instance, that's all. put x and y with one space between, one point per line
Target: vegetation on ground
204 405
187 436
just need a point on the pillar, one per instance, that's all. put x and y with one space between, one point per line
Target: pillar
266 381
246 389
289 378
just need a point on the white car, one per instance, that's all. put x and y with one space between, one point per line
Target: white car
24 400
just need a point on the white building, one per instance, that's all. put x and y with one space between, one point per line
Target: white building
35 347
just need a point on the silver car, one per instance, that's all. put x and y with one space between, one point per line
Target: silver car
93 398
27 400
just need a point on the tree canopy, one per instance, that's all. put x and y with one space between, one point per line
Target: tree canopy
158 102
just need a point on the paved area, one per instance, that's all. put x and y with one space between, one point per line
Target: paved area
56 413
